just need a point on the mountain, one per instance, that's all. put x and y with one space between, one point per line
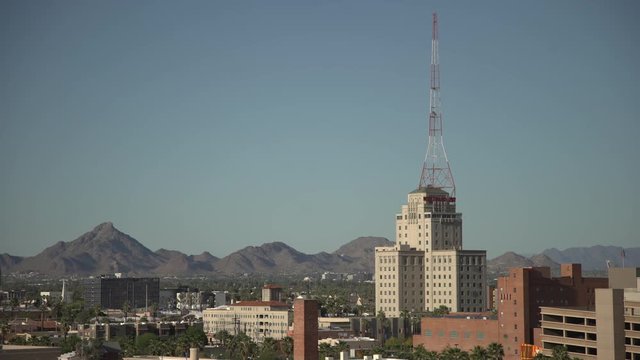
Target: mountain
102 250
361 251
595 257
105 250
7 261
540 260
504 262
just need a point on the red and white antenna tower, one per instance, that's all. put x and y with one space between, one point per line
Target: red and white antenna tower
436 171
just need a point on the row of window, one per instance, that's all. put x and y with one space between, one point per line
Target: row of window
453 334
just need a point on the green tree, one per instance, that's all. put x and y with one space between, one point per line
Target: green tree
70 343
560 353
382 326
195 336
326 350
453 353
268 349
223 336
125 309
478 353
142 343
286 347
241 347
420 353
495 351
441 311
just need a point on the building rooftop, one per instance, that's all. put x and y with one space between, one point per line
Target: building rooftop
260 303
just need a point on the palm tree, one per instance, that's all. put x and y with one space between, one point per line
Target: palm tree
4 330
560 353
478 353
382 324
420 353
125 309
453 353
268 348
286 346
495 351
223 336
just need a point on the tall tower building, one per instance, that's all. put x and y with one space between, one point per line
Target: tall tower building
427 268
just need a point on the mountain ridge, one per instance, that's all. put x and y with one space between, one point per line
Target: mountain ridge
105 249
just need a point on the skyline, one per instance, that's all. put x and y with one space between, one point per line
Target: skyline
210 126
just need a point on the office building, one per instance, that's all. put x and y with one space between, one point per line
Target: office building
114 292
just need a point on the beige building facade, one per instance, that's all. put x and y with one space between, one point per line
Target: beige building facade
257 319
427 268
610 331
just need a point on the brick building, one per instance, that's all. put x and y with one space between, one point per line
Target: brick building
464 331
523 291
305 335
519 296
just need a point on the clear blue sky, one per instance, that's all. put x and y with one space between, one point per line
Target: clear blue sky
213 125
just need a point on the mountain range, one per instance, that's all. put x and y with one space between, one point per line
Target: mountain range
105 250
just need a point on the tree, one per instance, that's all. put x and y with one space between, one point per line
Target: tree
382 325
223 336
268 349
143 341
420 353
70 343
4 330
441 311
286 347
326 350
560 353
495 351
125 309
453 353
478 353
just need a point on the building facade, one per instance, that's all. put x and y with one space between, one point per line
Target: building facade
114 292
427 268
608 330
522 293
257 319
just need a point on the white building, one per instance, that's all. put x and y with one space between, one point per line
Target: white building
427 268
258 319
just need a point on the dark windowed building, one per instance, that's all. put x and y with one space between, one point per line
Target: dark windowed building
113 292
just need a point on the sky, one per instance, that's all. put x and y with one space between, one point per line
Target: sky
215 125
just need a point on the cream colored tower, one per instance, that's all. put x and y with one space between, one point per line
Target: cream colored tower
429 238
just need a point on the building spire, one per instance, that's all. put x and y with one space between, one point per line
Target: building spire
436 171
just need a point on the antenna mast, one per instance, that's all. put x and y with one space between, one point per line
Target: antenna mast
436 171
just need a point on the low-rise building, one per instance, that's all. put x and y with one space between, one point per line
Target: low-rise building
258 319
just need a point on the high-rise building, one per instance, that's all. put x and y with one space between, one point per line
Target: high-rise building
427 268
114 292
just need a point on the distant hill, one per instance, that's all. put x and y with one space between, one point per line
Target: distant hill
506 261
105 250
99 251
592 258
595 257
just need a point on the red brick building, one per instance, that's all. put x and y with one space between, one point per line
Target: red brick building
462 330
305 332
523 291
519 296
